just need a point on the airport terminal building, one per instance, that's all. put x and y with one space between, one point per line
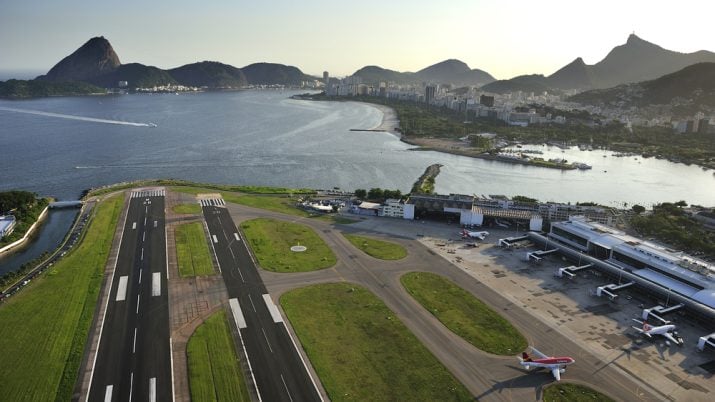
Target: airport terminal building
689 277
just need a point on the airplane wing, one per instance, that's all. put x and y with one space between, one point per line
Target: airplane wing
671 338
536 352
557 373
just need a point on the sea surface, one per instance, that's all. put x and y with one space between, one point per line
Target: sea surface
61 146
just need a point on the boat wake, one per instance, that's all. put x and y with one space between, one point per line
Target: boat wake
80 118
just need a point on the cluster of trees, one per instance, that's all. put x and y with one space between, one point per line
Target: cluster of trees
377 194
20 201
671 224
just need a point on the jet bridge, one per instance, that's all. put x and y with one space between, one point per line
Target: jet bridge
570 272
658 312
537 256
706 340
610 289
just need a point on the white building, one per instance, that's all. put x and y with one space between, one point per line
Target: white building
7 224
392 208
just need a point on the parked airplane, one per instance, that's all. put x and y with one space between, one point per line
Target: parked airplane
668 331
557 365
474 235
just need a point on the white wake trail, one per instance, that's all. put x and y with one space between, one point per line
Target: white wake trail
81 118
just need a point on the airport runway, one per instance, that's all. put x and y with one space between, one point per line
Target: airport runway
487 376
277 368
133 362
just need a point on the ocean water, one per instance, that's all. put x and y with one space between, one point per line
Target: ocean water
61 146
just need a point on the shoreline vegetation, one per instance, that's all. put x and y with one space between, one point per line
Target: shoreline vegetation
432 128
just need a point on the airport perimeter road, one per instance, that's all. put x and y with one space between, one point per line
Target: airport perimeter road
278 370
133 362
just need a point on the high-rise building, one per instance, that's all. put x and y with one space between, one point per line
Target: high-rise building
326 77
429 93
486 100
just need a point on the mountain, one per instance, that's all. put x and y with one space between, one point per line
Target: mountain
445 72
96 57
536 83
272 73
137 76
575 75
690 90
376 74
210 74
639 60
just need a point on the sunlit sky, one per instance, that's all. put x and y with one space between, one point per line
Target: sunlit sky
504 38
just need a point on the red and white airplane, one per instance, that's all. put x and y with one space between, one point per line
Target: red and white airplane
474 235
557 365
668 331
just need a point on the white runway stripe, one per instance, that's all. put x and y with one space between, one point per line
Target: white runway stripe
237 313
108 393
150 193
212 202
275 314
152 389
156 284
122 288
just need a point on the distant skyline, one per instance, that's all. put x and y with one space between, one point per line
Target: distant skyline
506 40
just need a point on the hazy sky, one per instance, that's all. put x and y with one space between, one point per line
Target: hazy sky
504 38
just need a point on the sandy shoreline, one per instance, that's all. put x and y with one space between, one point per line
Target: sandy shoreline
390 122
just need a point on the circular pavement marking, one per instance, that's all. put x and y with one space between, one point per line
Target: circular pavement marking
298 249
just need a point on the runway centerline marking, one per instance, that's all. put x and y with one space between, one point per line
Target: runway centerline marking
156 284
286 387
138 304
108 393
134 343
143 236
267 342
142 257
275 314
122 288
145 221
131 385
251 299
140 276
237 313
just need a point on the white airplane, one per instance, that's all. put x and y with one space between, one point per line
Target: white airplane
474 235
557 365
668 331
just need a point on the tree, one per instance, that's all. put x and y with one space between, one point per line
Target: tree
375 193
681 204
638 209
361 193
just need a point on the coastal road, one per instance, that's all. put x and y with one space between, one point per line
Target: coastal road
488 377
278 370
133 362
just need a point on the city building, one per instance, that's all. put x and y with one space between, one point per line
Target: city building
392 208
429 93
486 100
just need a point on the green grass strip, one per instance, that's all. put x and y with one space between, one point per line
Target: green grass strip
464 314
192 250
44 327
568 392
361 351
383 250
214 369
193 208
271 241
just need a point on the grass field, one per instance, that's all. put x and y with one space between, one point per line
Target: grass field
43 329
361 351
567 392
214 369
383 250
463 314
271 241
193 208
192 250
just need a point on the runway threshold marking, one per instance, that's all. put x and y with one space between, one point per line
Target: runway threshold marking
237 313
152 389
275 314
108 393
122 288
286 388
156 284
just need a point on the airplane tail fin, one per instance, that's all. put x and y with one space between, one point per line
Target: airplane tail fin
525 357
